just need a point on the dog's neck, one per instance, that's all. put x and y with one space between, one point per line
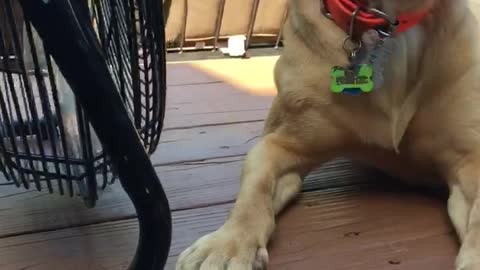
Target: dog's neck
325 39
356 17
422 55
322 36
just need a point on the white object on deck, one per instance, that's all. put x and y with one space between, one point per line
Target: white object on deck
236 45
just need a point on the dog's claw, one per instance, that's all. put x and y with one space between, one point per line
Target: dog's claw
261 260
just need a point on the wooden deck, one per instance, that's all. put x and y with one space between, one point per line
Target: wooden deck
347 218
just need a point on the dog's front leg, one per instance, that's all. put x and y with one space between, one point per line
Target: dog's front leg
464 211
271 177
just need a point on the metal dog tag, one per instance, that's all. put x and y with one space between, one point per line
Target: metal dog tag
376 49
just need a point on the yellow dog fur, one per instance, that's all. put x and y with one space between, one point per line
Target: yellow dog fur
423 124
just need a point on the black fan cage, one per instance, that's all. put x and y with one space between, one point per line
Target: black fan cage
46 140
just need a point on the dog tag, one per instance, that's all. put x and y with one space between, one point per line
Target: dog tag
367 67
353 80
376 50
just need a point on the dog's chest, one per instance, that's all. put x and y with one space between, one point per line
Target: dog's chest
379 121
400 165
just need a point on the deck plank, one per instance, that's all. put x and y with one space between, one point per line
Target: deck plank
344 228
219 91
179 74
200 143
255 72
213 125
188 185
213 104
357 228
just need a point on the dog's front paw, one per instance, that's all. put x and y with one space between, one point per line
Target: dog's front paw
468 259
224 250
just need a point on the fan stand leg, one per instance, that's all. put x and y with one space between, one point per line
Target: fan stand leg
69 38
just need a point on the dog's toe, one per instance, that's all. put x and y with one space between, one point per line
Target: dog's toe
261 259
468 259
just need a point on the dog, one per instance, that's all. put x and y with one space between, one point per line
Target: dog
424 115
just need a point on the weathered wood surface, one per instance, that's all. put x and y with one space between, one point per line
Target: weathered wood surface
191 185
216 109
344 228
199 166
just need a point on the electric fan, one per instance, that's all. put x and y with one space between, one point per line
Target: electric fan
82 102
47 142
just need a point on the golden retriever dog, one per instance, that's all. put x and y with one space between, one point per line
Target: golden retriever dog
422 122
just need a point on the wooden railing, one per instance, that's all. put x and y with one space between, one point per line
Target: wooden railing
206 24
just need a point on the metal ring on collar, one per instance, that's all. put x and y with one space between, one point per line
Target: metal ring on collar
391 20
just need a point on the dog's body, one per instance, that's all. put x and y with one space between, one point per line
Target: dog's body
424 123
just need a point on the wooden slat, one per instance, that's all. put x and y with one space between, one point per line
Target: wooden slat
338 173
210 114
196 184
187 74
219 91
357 228
24 211
354 228
213 104
255 73
193 144
345 228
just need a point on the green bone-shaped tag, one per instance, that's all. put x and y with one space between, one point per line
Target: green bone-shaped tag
352 80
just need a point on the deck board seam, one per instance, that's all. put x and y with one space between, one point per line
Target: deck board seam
214 124
195 83
59 228
194 161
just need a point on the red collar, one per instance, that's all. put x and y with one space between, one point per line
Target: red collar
342 10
